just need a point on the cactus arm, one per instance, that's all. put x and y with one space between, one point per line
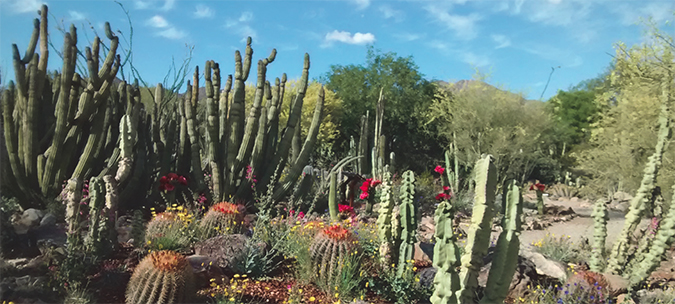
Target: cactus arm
618 256
30 124
332 197
190 105
479 231
93 141
280 157
384 218
10 134
62 104
213 130
273 120
236 117
507 248
363 145
600 218
307 149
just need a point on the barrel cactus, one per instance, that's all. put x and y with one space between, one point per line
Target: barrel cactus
222 218
163 277
165 231
329 252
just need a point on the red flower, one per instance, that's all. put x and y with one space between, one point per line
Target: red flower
443 196
446 188
173 176
182 180
538 187
364 195
374 183
162 186
169 187
345 209
163 180
439 169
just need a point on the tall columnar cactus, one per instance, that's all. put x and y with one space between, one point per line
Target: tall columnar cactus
329 252
446 256
600 218
98 238
222 218
507 248
163 277
408 221
479 231
618 255
384 219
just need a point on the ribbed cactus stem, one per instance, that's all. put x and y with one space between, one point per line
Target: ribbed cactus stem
618 255
480 228
163 277
332 196
600 217
408 222
329 252
384 218
446 257
73 197
507 248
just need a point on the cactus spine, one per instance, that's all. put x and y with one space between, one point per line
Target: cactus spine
163 277
508 245
479 231
600 218
222 218
408 221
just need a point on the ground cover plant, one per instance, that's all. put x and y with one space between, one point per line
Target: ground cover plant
251 194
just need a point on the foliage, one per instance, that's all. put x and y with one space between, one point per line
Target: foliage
404 289
560 249
482 119
264 250
406 93
624 136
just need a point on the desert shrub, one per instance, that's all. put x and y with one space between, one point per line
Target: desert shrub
264 250
560 249
403 289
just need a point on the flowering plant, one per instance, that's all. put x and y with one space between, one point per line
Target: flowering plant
167 185
537 186
367 186
447 192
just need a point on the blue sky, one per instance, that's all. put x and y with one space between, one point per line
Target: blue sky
516 42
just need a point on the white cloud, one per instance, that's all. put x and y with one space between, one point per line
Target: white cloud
246 17
557 56
24 6
407 37
389 13
348 38
475 59
166 5
157 21
361 4
465 27
658 10
439 45
172 33
203 11
241 27
75 15
164 28
501 41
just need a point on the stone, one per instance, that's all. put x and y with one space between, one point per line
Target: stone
223 249
27 221
621 196
205 269
424 252
48 220
543 265
621 206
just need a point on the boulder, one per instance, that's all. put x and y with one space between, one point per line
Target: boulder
27 221
205 270
223 249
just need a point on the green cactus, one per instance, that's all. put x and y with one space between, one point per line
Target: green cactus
138 229
332 197
507 247
329 252
618 256
98 237
446 256
222 218
600 218
385 218
408 217
479 231
163 277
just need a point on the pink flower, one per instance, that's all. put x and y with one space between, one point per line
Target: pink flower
182 180
172 176
446 188
374 183
364 195
439 169
301 214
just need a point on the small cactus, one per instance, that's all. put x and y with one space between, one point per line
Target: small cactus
222 218
600 218
163 277
329 252
164 231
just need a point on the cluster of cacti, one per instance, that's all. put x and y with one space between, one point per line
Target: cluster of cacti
408 221
163 277
329 252
101 237
222 218
451 287
332 191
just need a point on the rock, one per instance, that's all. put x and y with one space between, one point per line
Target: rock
426 228
543 265
525 274
617 284
205 269
424 252
427 277
28 220
621 196
621 206
223 249
623 299
557 210
48 220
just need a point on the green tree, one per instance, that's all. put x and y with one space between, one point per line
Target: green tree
406 94
625 134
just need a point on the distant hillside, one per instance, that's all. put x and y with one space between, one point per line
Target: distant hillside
463 84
